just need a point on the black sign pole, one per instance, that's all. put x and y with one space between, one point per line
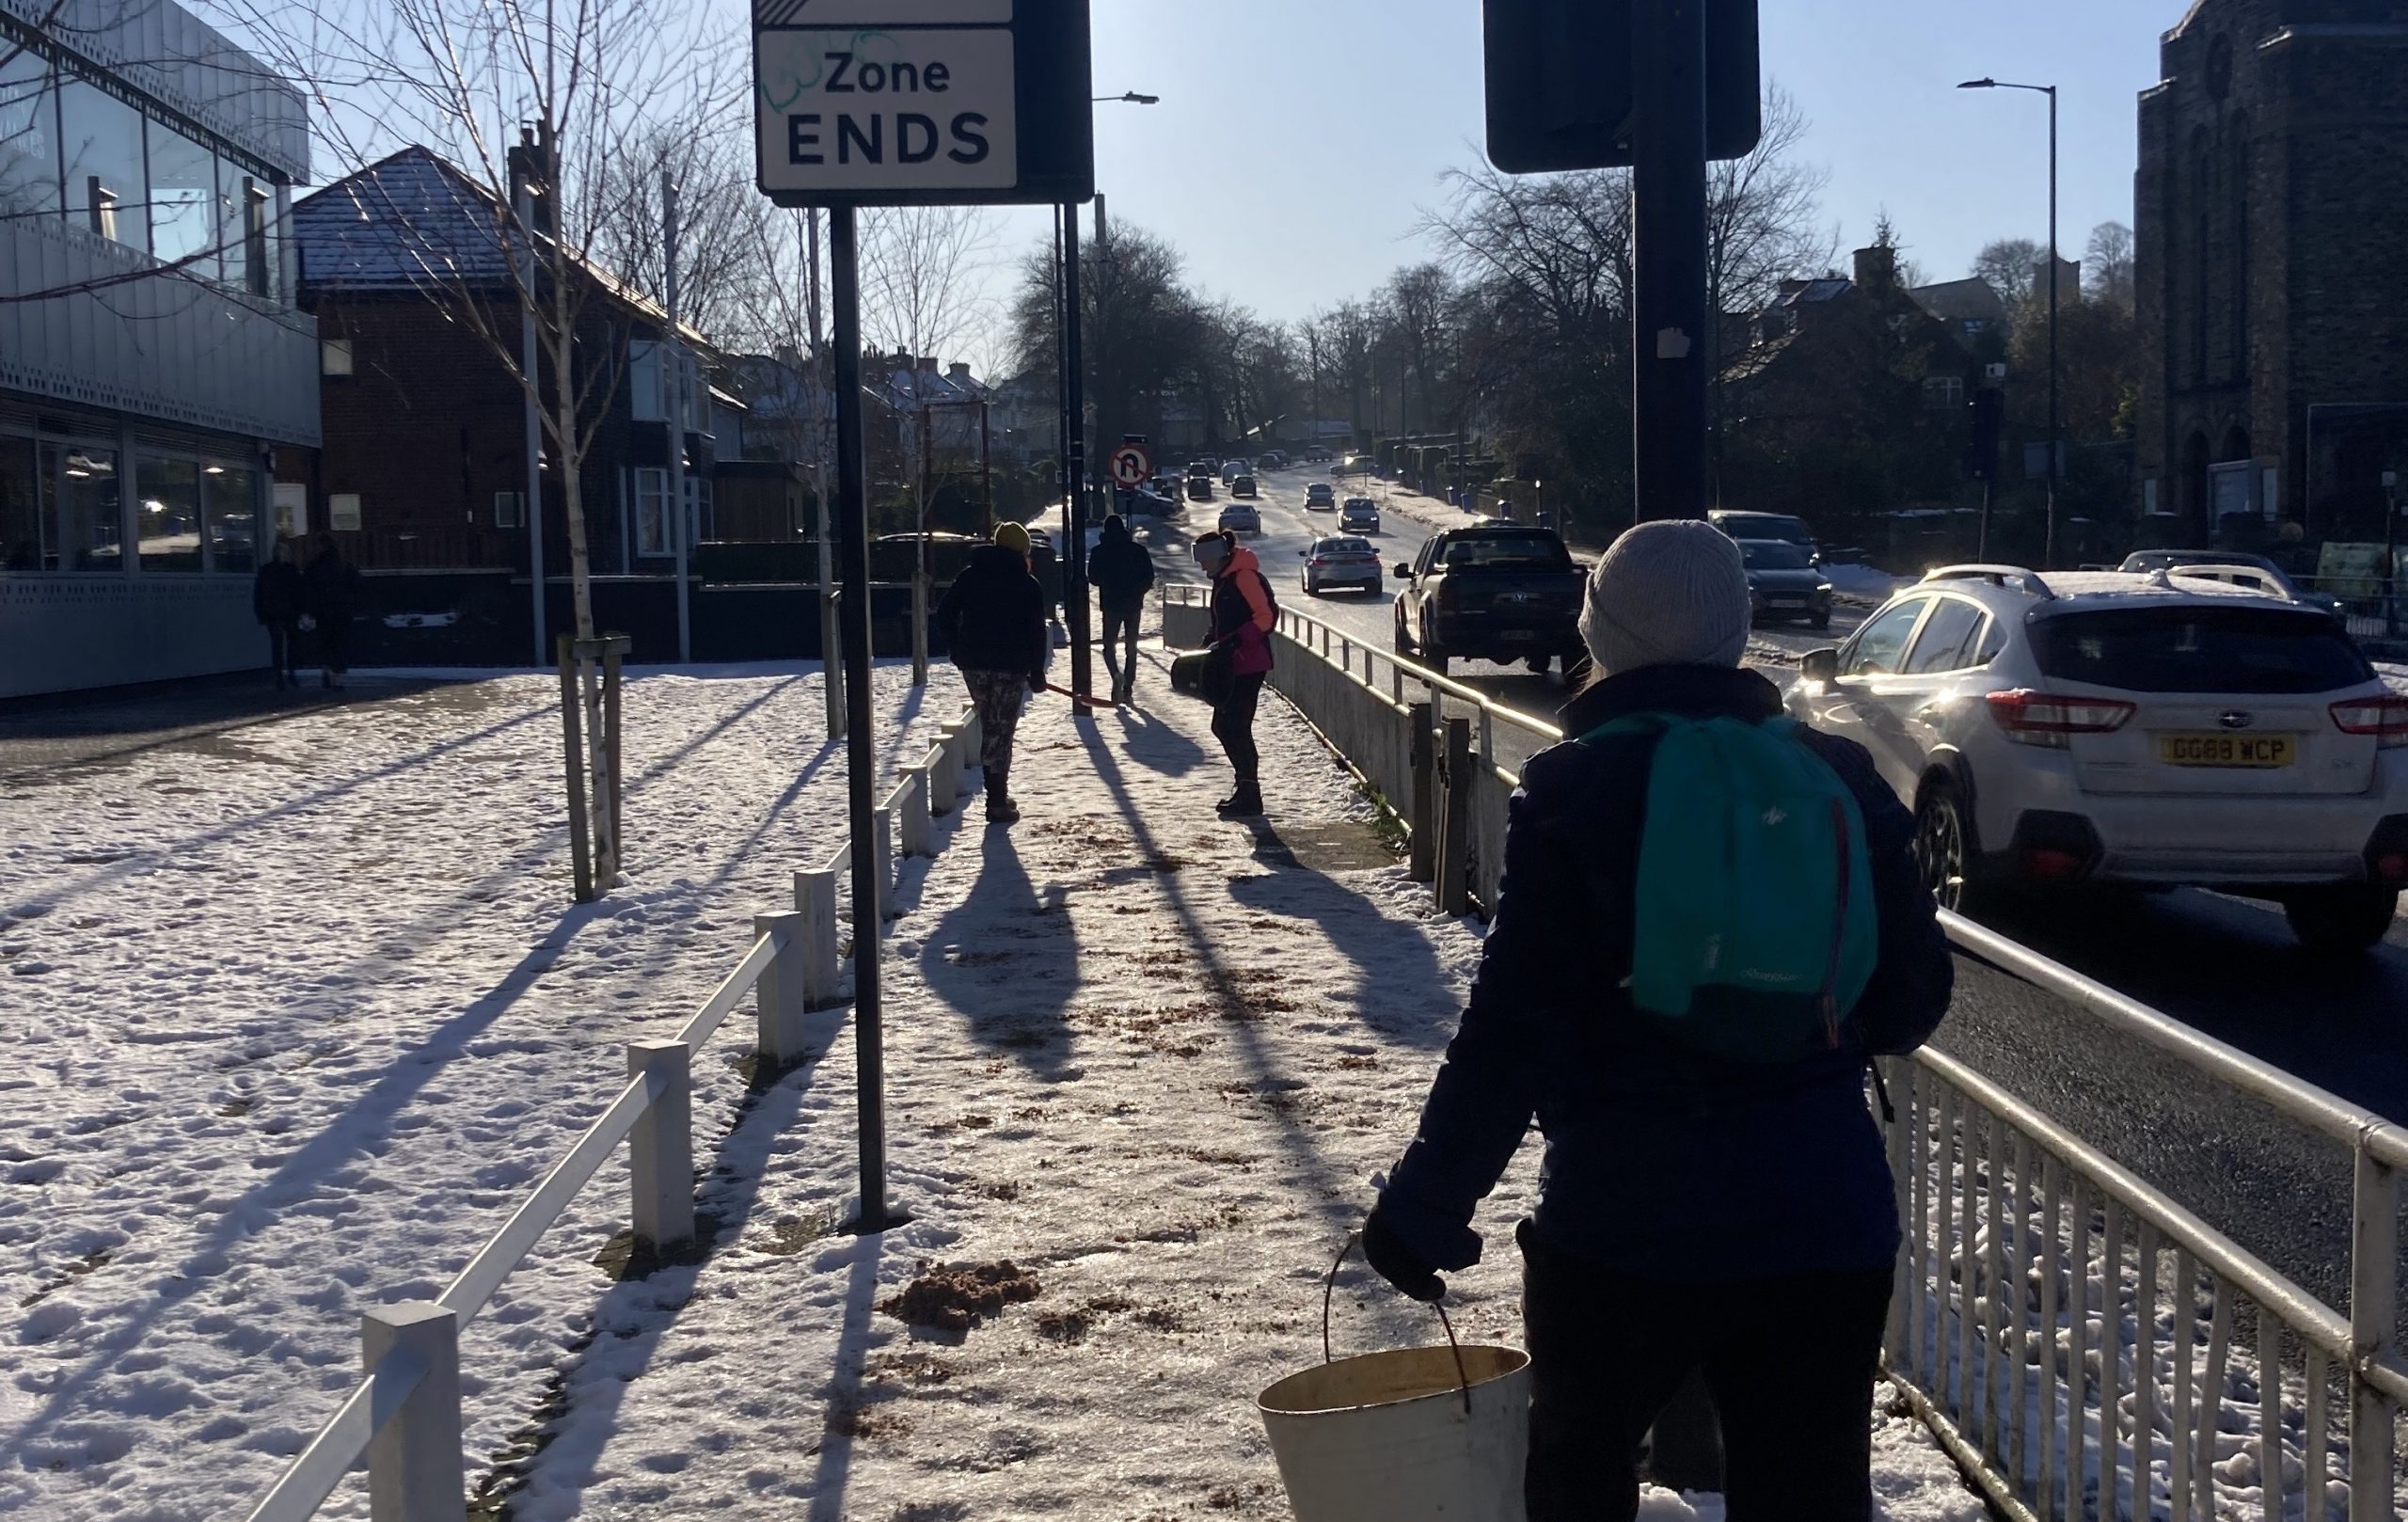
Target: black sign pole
1074 404
861 750
1670 338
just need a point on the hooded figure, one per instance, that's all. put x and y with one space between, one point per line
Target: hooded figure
992 620
331 596
1697 1213
1123 572
1244 614
276 602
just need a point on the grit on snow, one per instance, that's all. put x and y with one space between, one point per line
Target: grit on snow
303 1012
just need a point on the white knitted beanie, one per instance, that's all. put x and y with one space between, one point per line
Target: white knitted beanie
1673 592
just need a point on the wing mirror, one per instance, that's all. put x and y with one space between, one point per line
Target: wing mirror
1822 666
1403 572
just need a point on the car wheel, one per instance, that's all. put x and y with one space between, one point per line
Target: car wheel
1431 656
1822 621
1538 664
1399 643
1944 848
2343 919
1312 588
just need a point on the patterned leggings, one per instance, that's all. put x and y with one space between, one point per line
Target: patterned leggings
997 695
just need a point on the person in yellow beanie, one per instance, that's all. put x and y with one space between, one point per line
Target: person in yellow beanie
991 621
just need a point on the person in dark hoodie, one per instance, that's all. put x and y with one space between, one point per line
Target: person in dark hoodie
992 622
1123 572
276 602
330 594
1697 1213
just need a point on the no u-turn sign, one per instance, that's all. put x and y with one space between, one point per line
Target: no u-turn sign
922 102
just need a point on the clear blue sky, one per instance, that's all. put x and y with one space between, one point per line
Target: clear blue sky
1296 137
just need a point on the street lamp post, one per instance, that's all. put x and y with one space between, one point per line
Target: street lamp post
2049 554
1074 505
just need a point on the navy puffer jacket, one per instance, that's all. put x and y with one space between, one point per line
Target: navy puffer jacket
1661 1161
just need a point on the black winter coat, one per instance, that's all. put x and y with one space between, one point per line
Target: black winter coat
1661 1161
276 593
1122 572
992 618
330 589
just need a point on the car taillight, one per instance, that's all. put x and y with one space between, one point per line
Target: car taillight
2386 718
2043 719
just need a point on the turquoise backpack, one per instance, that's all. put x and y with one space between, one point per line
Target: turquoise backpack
1754 932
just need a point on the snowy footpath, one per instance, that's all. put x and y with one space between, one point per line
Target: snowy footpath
302 1015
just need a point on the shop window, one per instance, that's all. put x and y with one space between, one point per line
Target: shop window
166 514
229 516
105 186
510 509
259 265
645 402
21 536
184 197
28 134
87 528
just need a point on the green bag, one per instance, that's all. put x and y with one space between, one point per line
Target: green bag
1754 931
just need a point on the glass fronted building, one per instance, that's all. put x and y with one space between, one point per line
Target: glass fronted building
151 360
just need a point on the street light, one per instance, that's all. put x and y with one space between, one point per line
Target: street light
1073 398
2049 556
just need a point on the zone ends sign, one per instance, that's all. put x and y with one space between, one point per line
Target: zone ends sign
914 102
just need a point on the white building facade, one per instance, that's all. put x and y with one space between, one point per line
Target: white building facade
151 360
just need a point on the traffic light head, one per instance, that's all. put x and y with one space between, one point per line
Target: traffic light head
1559 82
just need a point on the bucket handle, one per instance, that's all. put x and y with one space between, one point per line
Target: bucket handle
1329 1293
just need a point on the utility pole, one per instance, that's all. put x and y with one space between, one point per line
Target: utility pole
523 208
1074 554
920 545
672 352
831 671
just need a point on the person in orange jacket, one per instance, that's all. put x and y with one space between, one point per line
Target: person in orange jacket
1244 614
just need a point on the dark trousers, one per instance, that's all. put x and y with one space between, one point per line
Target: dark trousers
280 653
1121 641
334 644
1233 726
1789 1362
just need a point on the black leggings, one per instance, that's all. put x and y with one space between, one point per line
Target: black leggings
1233 726
1788 1360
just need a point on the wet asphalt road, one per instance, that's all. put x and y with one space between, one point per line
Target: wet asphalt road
2224 966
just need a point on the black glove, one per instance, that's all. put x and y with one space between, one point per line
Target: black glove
1392 1261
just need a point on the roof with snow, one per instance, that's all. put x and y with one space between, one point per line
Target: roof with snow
1970 300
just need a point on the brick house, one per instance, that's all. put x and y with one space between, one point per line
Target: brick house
2271 212
422 473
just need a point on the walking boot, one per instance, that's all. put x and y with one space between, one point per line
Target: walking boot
1243 805
1000 807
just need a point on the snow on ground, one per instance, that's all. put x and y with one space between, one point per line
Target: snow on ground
303 1012
299 1011
1862 583
1151 1060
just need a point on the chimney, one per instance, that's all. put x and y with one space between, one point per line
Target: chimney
1877 268
530 168
960 371
788 356
928 363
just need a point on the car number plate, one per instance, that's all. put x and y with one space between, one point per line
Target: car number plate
2213 749
1517 634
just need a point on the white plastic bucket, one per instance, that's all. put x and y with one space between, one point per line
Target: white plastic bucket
1402 1437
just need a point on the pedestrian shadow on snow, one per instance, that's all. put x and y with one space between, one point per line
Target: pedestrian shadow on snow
1007 958
1401 991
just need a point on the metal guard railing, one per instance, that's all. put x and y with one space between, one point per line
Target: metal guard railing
405 1412
2032 1290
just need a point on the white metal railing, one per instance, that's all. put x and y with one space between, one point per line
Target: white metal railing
2032 1293
406 1412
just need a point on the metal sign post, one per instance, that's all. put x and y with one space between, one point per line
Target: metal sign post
904 102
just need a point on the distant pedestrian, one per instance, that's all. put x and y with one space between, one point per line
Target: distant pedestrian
1244 614
1123 572
330 594
277 602
993 622
1047 567
1715 1198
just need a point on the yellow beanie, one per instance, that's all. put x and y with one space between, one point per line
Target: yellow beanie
1012 536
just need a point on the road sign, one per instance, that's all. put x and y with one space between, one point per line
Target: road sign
1560 89
1132 466
922 103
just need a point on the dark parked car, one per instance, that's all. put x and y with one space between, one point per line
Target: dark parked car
1501 592
1783 584
1200 488
1242 487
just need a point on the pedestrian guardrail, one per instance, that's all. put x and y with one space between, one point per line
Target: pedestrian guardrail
406 1412
2026 1253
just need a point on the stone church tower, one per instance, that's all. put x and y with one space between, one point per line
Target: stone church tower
2271 215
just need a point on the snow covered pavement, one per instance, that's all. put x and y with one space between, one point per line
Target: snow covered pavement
303 1012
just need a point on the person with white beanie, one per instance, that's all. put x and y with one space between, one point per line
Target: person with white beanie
1701 1211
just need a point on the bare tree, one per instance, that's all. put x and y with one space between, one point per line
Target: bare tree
1762 213
2011 267
2109 265
923 272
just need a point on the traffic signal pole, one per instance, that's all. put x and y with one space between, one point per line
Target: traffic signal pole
1671 337
1074 404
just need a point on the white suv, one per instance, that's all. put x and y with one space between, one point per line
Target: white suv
2156 729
